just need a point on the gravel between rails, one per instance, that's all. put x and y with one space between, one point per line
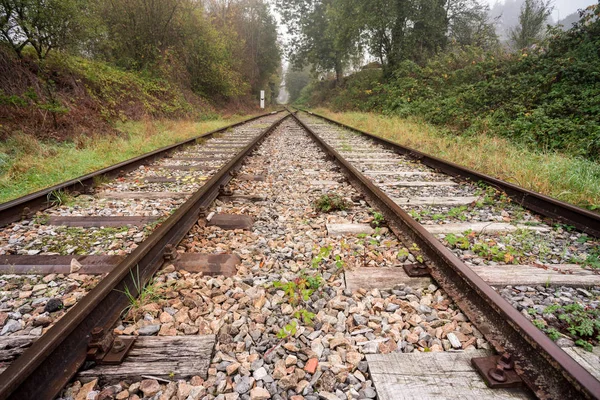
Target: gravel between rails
246 312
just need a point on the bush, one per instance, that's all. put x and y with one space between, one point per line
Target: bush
546 97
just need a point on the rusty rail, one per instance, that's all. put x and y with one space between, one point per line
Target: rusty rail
547 370
43 369
26 206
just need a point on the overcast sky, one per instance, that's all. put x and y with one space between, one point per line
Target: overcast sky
561 7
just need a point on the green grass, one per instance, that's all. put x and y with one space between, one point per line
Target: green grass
567 178
28 164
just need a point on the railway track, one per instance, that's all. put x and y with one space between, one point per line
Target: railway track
142 213
268 295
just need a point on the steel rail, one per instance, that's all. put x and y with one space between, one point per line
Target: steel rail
43 369
26 206
580 218
546 369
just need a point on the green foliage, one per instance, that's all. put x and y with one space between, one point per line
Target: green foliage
42 24
534 15
579 322
306 316
288 330
546 98
327 203
59 197
378 218
301 288
139 295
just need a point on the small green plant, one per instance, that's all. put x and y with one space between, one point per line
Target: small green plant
378 219
579 322
59 197
288 330
458 212
323 254
327 203
305 315
139 295
301 288
593 258
459 242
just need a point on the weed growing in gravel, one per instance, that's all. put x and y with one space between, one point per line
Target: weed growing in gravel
327 203
458 212
288 330
346 147
579 322
139 295
59 198
100 180
298 292
301 288
378 219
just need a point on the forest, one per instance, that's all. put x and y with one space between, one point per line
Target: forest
444 62
72 66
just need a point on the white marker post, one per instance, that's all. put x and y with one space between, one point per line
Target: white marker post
262 99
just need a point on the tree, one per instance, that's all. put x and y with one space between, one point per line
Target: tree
256 30
469 24
140 30
320 35
534 14
41 24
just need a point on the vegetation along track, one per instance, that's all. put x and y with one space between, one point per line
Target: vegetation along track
308 299
542 265
124 226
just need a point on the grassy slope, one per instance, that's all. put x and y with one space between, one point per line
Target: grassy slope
36 164
566 178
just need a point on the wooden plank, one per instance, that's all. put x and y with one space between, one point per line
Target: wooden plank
208 264
447 375
252 177
46 264
381 278
166 357
371 161
198 159
420 183
590 360
398 173
348 229
481 227
357 154
142 195
184 167
528 275
242 198
94 221
231 221
432 201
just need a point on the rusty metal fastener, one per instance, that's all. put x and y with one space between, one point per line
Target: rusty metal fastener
97 333
224 191
497 374
506 362
118 346
170 253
